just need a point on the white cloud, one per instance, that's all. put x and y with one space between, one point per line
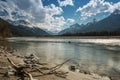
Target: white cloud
95 7
117 5
47 17
70 21
53 10
52 21
66 2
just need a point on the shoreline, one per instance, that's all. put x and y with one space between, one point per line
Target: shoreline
19 60
72 37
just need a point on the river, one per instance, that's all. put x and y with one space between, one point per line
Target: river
95 55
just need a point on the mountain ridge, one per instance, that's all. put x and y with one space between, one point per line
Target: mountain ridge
108 24
19 30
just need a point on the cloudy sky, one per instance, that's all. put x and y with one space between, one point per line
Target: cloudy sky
55 15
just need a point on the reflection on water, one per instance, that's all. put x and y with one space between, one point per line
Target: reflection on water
96 58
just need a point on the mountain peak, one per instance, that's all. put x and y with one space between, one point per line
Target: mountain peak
108 25
75 25
117 11
18 22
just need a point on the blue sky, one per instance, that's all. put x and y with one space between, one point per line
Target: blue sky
55 15
70 11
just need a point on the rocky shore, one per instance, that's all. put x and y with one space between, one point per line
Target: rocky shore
9 63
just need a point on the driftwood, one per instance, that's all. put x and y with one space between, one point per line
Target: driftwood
30 76
54 69
21 71
6 50
58 66
12 64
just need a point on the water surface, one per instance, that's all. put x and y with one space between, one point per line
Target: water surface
95 55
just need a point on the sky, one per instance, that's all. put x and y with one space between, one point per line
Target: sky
56 15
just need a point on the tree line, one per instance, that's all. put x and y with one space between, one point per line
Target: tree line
102 33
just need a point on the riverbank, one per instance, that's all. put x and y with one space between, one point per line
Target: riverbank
71 37
18 59
81 37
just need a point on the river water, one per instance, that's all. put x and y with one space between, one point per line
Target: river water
95 55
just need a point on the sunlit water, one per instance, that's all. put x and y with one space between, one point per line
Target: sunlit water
95 55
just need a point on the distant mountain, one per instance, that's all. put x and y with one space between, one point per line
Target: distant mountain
72 29
116 12
18 22
20 30
109 24
4 13
4 29
27 31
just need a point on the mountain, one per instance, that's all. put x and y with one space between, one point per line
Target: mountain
72 29
109 24
116 12
19 30
4 29
4 13
18 22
